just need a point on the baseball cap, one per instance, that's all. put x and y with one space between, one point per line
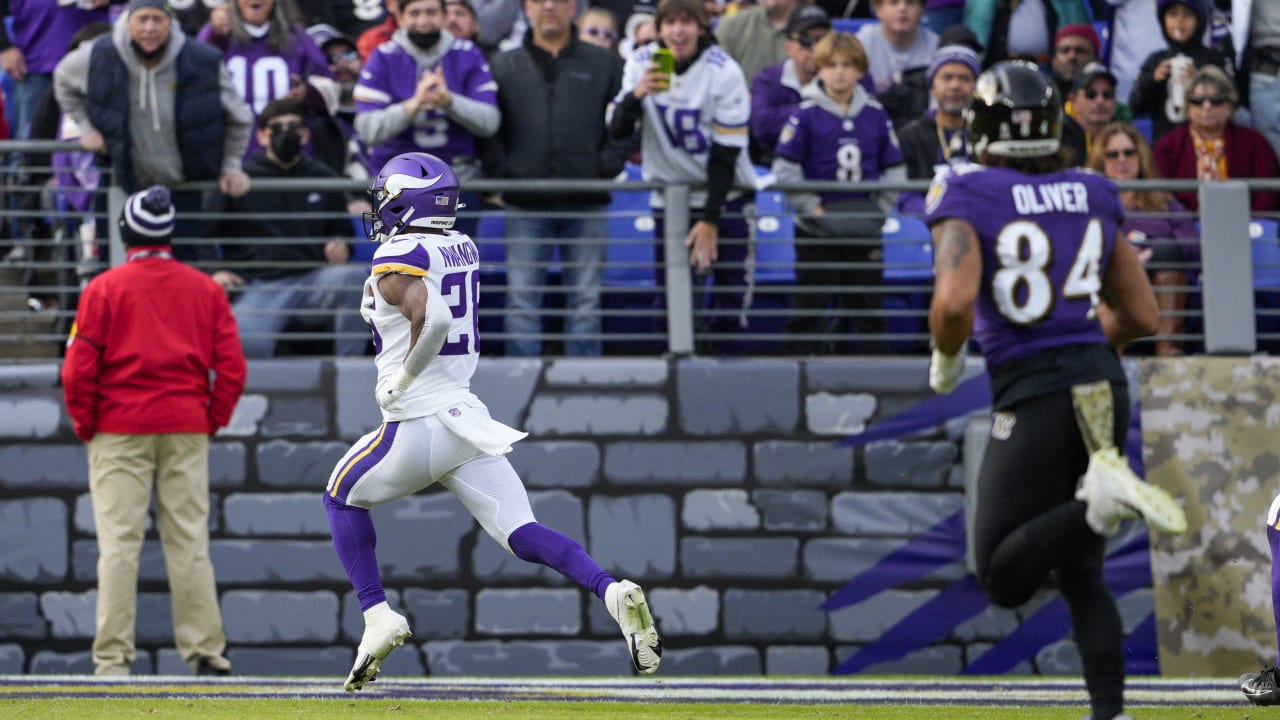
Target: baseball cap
805 17
1091 72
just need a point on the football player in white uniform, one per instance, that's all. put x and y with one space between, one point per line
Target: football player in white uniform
421 301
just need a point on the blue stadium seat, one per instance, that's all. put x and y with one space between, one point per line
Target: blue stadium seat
775 239
1266 253
908 250
1145 126
630 255
850 25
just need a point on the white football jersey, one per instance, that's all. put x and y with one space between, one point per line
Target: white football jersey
450 265
707 103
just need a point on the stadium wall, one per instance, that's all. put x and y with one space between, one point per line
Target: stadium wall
717 484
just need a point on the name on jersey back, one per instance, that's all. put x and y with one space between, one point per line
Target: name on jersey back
1072 197
460 255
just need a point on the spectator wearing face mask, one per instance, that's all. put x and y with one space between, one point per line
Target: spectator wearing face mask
283 266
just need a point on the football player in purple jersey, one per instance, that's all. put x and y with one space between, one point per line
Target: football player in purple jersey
1029 259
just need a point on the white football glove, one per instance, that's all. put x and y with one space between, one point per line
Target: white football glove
366 303
391 389
946 370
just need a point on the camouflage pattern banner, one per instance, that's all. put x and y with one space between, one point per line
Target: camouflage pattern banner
1211 434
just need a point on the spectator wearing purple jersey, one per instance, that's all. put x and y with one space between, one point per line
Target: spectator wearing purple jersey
426 90
838 133
775 91
1159 226
42 29
270 55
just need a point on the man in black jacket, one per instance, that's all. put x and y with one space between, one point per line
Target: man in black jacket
298 246
553 92
937 138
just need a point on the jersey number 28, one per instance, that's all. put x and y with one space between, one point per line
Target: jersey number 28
1024 252
462 291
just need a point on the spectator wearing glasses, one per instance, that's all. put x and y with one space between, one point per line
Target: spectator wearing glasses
1158 88
1212 147
938 138
1156 224
1090 106
553 92
597 26
775 93
335 137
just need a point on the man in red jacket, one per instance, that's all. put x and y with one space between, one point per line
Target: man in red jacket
137 384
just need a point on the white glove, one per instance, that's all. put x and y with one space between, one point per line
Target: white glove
391 389
366 304
945 371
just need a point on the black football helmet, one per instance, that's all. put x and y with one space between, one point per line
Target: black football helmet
1015 112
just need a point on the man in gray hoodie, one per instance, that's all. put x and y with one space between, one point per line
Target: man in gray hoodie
161 106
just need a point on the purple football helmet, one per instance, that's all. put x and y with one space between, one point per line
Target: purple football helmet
414 189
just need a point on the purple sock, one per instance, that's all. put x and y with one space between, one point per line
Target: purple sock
1273 537
355 540
538 543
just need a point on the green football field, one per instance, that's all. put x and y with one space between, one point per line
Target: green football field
675 698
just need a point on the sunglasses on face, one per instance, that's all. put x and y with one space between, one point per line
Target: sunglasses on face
1214 100
600 33
1091 94
808 41
348 56
1117 154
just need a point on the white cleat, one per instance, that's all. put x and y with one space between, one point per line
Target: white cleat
1114 493
626 603
382 635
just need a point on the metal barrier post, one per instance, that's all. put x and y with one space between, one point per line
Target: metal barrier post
1227 269
679 279
115 205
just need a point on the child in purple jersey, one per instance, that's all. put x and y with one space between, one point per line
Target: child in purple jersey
1028 254
840 133
270 56
1263 688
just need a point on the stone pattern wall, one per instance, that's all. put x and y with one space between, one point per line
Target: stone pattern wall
716 484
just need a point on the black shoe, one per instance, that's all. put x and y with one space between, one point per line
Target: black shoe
206 668
1262 688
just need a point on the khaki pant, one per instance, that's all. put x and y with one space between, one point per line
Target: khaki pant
123 469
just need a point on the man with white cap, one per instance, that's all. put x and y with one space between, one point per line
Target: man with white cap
136 379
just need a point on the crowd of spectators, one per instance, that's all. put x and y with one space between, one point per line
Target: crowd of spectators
565 89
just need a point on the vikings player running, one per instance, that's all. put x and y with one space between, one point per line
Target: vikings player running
422 300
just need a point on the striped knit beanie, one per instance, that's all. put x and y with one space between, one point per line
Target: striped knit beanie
148 217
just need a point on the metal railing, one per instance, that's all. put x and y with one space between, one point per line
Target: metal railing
650 300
